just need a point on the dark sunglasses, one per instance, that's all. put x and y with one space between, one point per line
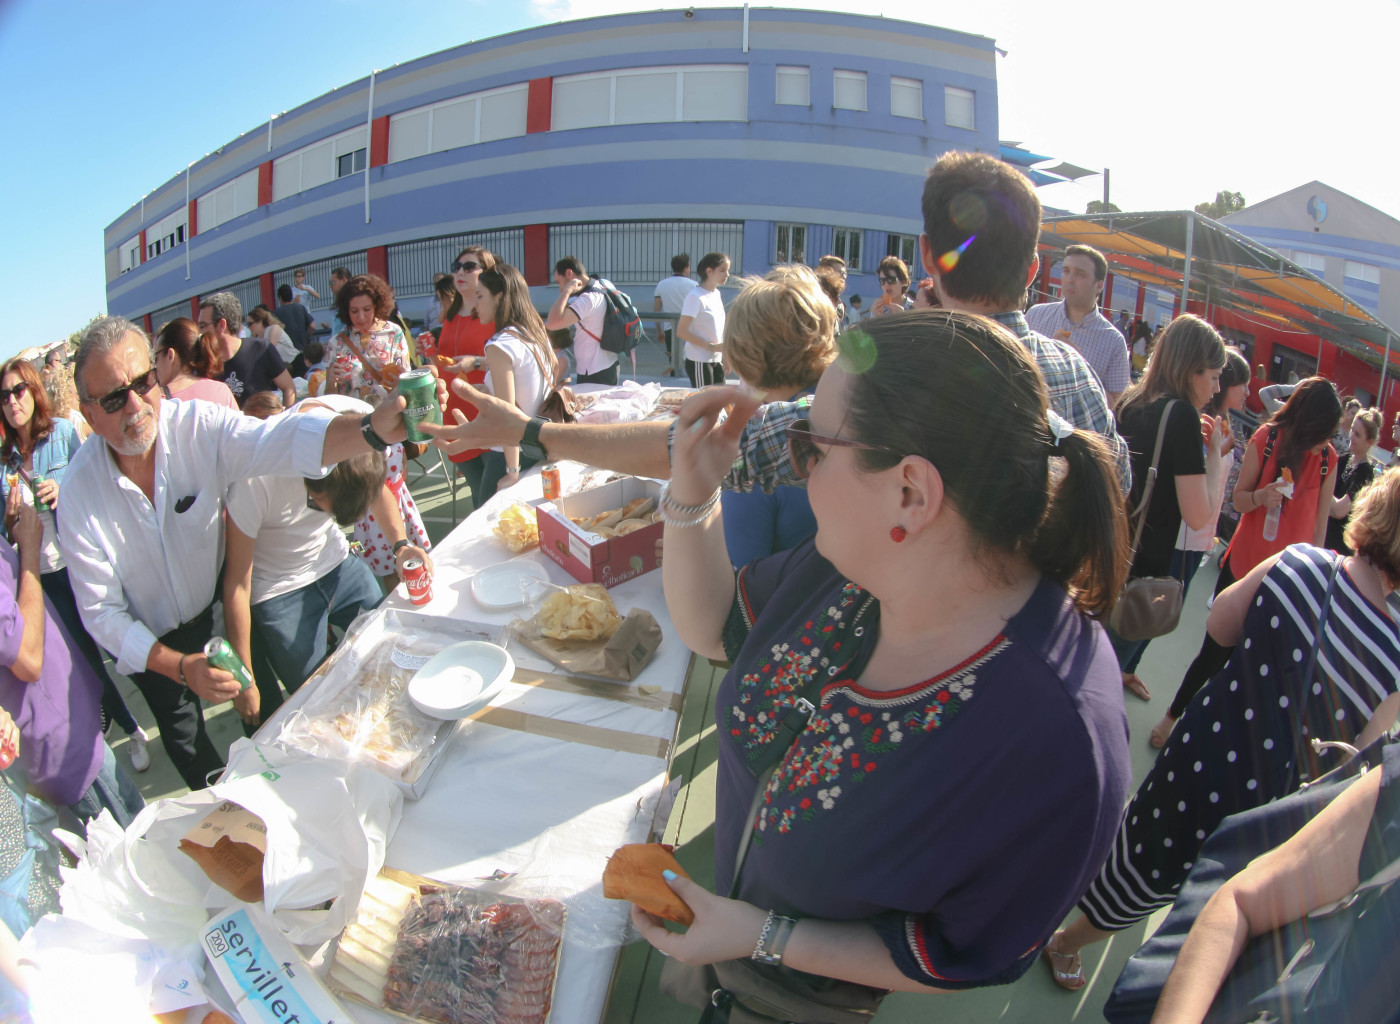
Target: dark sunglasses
115 401
888 279
802 445
465 266
15 392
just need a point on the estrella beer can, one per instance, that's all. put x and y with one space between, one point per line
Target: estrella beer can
418 580
549 478
222 655
419 390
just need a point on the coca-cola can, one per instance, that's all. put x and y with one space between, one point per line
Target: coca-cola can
418 580
549 480
7 753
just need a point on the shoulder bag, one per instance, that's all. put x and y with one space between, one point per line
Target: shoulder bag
1148 606
559 405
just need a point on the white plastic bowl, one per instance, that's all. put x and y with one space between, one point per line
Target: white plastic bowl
460 680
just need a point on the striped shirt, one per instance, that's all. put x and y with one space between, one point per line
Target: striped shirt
1097 340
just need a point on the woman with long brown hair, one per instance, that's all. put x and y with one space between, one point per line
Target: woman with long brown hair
36 450
460 349
188 364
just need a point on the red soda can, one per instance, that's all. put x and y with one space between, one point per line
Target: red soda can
549 478
7 753
418 580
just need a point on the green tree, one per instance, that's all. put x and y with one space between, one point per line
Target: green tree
1222 205
1099 206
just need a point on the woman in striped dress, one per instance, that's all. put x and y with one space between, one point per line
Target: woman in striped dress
1242 740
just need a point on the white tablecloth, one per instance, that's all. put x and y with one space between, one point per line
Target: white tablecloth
551 809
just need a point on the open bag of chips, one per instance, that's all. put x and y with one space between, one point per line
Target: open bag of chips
579 629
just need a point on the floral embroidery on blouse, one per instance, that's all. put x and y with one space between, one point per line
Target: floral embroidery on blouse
850 734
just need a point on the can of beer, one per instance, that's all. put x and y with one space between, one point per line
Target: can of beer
418 580
222 655
419 390
549 478
38 504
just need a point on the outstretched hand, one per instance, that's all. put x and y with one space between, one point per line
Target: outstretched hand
706 440
497 423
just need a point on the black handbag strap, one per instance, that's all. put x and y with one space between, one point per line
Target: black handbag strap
1140 513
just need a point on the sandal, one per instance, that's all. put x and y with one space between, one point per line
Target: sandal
1161 732
1136 686
1071 980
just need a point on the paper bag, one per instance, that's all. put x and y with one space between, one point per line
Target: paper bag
622 657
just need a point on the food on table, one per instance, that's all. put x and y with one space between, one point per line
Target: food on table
637 510
517 528
449 955
583 611
634 874
630 526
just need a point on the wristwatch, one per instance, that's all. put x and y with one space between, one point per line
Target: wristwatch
401 543
530 445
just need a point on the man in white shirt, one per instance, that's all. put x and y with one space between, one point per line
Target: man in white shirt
1076 320
141 522
671 291
585 307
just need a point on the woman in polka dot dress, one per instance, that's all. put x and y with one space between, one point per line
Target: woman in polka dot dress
1235 748
375 548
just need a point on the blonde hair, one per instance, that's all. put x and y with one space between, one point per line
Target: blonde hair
1370 419
780 331
1373 531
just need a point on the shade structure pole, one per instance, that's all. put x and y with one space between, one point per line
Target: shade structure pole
1186 274
1385 365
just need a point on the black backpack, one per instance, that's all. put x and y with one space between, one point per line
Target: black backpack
622 325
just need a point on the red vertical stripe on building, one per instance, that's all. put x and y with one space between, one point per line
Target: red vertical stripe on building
537 254
265 183
143 245
1044 284
192 219
1142 295
266 291
1108 293
539 109
377 260
146 322
379 141
194 308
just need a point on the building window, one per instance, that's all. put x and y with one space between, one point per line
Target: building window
791 244
349 163
848 90
231 199
1313 261
846 244
718 92
907 98
1363 273
906 247
460 121
959 108
794 86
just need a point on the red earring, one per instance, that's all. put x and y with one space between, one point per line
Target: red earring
897 534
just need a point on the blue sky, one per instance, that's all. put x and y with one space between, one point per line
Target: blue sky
103 102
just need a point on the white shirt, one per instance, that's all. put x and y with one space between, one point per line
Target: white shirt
589 356
139 570
672 292
531 387
295 545
706 310
301 295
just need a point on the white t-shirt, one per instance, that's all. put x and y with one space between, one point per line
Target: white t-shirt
282 341
706 310
590 307
531 387
672 292
301 295
296 545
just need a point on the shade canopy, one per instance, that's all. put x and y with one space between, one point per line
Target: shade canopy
1228 270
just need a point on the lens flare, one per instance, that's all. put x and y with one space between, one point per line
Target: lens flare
949 259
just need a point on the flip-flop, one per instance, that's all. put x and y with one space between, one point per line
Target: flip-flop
1071 980
1136 686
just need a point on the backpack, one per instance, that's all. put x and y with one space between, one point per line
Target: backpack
622 325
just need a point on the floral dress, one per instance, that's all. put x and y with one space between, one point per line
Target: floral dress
382 346
374 547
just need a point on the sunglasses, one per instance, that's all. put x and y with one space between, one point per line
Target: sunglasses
888 279
465 266
803 451
116 400
16 392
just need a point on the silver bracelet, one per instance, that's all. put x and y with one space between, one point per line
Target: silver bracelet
772 940
673 514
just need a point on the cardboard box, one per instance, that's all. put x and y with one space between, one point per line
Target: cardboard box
264 974
588 557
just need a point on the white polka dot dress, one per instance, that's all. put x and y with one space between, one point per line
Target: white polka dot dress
375 546
1234 747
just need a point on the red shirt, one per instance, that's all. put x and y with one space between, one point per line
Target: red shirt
464 336
1298 518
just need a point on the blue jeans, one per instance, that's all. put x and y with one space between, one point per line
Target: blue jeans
290 629
112 789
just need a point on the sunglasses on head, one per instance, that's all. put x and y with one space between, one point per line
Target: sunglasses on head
803 451
465 266
15 392
116 400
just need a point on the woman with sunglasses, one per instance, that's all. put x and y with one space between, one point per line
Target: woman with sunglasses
262 323
461 349
188 364
36 450
894 282
957 761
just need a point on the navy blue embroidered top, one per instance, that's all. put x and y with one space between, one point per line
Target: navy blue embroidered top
962 816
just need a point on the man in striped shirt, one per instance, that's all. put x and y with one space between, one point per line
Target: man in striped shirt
1076 320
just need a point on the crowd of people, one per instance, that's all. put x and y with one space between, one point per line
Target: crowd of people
905 530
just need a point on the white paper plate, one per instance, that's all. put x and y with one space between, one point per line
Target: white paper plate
460 679
509 585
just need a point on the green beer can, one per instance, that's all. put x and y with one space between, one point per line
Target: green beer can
222 655
419 390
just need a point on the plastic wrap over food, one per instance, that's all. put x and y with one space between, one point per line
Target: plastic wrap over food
627 401
357 708
432 952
